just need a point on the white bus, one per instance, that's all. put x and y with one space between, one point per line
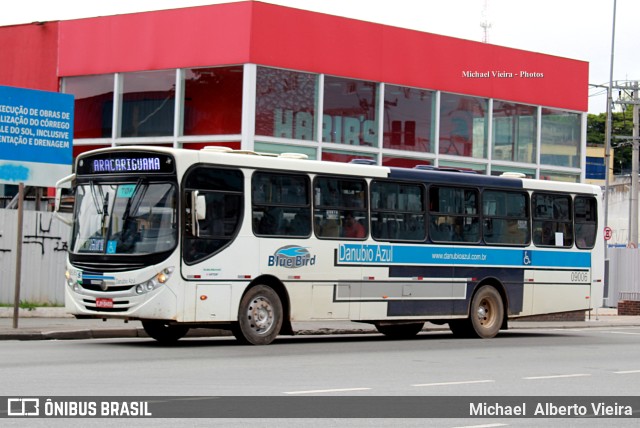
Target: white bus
182 239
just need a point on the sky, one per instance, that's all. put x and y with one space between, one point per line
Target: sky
577 29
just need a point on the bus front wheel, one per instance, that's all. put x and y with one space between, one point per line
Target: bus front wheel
164 332
259 316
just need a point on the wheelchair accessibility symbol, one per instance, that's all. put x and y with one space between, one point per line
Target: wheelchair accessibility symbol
526 260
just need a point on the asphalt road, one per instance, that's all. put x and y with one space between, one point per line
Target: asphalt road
564 362
594 361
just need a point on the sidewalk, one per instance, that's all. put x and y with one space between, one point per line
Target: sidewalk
54 323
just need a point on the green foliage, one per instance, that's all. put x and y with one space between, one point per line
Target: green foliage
622 126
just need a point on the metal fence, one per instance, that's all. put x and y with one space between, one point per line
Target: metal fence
624 276
44 251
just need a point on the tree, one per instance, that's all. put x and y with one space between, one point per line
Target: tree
622 126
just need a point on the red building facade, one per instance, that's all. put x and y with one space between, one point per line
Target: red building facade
268 78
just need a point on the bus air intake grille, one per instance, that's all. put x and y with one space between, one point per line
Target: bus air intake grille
94 287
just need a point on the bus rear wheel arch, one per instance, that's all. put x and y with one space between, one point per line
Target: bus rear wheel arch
486 315
260 316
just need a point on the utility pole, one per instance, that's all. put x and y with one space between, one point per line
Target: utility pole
625 101
633 231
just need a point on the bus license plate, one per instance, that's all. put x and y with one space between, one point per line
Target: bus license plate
104 303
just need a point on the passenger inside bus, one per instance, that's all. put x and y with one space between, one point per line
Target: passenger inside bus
352 228
330 228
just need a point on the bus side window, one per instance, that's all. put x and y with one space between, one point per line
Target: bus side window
552 220
506 217
281 205
397 211
340 208
454 214
223 193
586 221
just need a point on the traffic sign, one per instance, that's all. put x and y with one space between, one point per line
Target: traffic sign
608 233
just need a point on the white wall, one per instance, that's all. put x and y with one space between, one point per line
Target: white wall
43 257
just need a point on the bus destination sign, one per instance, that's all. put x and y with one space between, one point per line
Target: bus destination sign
126 163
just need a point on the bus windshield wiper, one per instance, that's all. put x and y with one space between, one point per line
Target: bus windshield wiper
131 207
96 202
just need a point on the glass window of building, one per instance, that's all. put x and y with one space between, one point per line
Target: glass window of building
213 100
233 145
463 126
339 156
277 148
559 176
560 138
286 104
408 114
148 103
514 132
93 116
500 169
404 162
350 113
464 166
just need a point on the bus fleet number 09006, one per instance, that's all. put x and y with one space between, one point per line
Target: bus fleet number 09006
579 276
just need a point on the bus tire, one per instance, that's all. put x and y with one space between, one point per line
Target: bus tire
487 312
164 332
400 331
260 316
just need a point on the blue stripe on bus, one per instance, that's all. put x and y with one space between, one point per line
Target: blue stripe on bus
387 254
89 276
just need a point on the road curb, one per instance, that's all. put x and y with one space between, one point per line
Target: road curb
138 332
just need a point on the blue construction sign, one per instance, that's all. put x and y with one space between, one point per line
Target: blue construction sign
36 136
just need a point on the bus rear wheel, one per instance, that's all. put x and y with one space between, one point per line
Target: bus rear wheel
164 332
400 331
260 316
486 314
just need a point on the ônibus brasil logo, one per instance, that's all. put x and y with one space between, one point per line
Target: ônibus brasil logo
292 257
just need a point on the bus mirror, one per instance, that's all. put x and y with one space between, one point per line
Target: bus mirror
201 208
199 211
58 198
57 208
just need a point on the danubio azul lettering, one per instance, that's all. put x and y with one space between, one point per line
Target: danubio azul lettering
354 253
127 164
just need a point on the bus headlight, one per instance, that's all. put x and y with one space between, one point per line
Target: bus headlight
69 278
71 281
159 279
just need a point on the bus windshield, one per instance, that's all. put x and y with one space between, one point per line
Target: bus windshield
125 218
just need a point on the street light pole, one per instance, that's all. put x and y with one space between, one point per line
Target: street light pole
607 143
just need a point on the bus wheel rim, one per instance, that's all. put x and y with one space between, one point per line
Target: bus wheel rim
485 314
260 315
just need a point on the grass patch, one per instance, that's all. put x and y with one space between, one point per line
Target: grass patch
31 306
